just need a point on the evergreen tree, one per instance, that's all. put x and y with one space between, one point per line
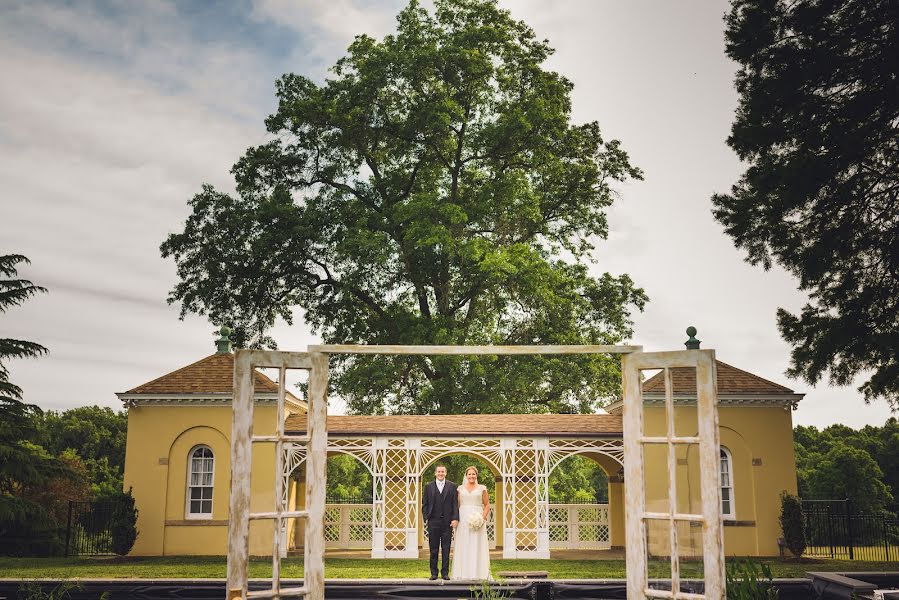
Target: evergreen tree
25 526
818 124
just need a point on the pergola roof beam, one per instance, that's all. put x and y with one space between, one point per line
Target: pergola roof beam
472 350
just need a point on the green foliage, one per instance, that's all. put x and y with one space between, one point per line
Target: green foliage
26 470
847 472
578 479
817 125
34 590
744 581
839 462
97 436
348 477
424 194
487 591
123 523
792 524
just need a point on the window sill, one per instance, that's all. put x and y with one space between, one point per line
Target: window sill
735 523
195 522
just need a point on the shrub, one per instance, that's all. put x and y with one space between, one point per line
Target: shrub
744 581
792 522
123 524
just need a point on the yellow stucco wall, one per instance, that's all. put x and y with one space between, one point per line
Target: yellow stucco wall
760 440
160 440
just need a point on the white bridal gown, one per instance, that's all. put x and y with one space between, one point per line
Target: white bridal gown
471 556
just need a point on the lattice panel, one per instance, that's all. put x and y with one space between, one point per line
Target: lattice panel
587 533
526 503
558 534
573 526
526 540
395 540
396 497
360 524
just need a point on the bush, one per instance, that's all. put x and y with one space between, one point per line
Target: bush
123 524
26 529
792 522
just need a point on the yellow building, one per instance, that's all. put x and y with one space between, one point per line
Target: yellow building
178 464
177 457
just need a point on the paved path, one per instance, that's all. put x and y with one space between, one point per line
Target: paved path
498 554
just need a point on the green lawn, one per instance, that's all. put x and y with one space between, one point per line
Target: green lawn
355 568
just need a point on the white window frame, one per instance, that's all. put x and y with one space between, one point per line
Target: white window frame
187 496
728 457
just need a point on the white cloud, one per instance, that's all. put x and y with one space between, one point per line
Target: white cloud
332 24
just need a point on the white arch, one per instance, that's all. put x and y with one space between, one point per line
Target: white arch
300 461
497 472
557 457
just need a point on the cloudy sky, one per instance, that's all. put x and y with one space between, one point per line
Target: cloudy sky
112 115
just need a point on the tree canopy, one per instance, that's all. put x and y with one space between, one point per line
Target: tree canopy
818 123
432 191
96 435
839 462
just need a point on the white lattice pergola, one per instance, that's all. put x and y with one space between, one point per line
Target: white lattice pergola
523 461
523 464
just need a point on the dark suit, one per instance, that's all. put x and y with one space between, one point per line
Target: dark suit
438 510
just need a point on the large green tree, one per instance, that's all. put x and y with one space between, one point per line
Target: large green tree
818 125
847 472
432 191
870 443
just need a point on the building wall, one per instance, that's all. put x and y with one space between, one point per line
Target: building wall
760 440
160 440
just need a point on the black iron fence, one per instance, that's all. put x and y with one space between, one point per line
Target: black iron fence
333 499
88 532
834 530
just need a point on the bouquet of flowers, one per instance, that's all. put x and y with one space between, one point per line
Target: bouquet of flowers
475 521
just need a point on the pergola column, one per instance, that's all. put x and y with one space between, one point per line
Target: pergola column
412 485
378 486
541 482
507 447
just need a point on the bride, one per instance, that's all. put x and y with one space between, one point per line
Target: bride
471 556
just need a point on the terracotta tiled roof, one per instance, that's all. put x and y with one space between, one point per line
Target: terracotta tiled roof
211 375
493 425
731 380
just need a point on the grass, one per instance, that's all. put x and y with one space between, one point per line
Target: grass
363 568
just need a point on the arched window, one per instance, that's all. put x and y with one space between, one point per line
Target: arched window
201 469
727 484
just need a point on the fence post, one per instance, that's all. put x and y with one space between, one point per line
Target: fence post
886 537
849 528
830 529
69 528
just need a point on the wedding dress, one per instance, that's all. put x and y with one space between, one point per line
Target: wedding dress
471 553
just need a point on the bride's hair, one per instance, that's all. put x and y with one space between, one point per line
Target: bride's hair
471 468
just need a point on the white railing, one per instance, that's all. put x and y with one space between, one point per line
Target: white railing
348 525
579 526
491 530
571 526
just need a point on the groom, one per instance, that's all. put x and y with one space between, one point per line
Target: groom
440 510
